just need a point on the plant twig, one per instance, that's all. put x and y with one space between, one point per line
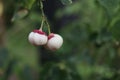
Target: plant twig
44 17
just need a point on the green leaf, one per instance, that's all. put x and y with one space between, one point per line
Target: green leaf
112 6
28 3
114 26
66 2
116 30
20 14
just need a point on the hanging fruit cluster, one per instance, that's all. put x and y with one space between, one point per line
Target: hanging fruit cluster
51 41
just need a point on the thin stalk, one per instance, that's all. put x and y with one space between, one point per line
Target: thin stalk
49 31
44 17
42 23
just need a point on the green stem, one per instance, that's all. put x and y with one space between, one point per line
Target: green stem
41 27
44 17
41 7
49 31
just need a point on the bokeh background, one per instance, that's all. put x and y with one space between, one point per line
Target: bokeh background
91 33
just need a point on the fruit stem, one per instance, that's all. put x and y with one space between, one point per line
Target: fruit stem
49 31
44 18
41 27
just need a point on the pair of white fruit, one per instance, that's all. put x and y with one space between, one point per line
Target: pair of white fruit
51 42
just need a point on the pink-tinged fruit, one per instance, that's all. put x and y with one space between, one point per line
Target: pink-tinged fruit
37 37
39 32
54 42
50 36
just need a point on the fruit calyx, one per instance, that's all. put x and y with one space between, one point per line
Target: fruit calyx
39 32
51 35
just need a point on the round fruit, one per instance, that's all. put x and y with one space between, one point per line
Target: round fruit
55 41
37 37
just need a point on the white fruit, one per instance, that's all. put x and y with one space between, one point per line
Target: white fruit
40 39
55 42
31 37
37 38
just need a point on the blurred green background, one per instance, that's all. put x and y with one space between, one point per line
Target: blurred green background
91 33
